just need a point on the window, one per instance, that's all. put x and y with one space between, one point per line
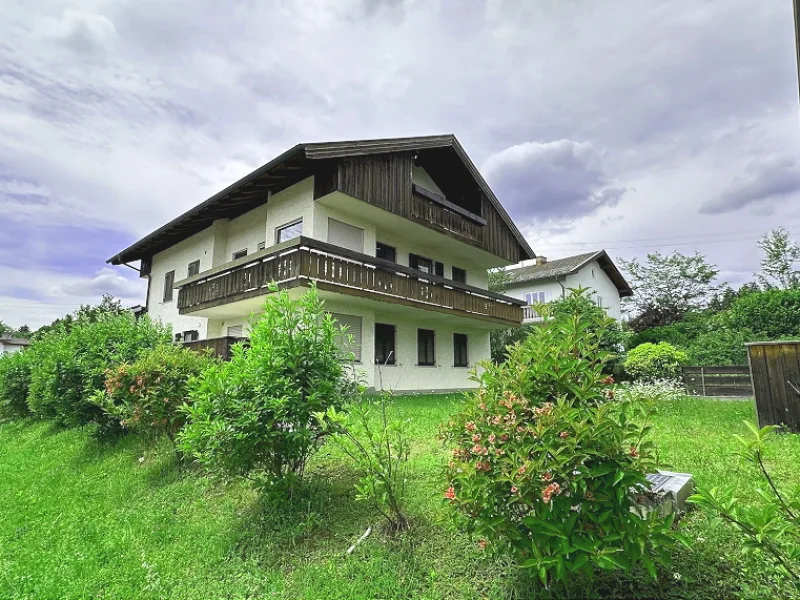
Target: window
459 275
384 344
534 297
261 245
426 355
235 331
420 263
345 235
169 282
194 268
386 252
191 335
240 254
438 269
600 301
178 337
460 350
352 326
289 231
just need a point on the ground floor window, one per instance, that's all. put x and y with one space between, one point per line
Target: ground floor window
384 344
426 355
460 356
350 340
191 336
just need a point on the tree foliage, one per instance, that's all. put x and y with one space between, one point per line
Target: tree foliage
780 265
666 287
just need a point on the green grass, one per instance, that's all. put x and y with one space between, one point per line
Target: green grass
83 519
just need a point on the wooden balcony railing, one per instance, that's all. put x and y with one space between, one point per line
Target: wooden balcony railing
220 347
433 210
305 260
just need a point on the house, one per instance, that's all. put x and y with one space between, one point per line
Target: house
397 234
545 281
10 345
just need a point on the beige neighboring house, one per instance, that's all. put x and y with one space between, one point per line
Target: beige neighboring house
545 280
397 234
10 345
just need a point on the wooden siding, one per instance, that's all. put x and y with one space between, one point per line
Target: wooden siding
384 180
336 269
775 368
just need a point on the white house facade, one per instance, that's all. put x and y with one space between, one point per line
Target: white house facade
396 234
10 345
543 281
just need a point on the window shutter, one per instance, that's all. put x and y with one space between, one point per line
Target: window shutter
235 330
345 236
353 325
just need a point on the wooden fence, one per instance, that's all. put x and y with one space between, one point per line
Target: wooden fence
776 382
220 347
718 381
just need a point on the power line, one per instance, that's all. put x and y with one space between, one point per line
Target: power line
678 238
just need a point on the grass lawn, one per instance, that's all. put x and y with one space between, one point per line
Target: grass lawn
82 519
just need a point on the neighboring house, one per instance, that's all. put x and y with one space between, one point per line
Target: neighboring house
398 235
10 345
545 281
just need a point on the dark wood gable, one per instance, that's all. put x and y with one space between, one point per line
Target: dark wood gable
384 180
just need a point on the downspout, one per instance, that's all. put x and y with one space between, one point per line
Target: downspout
563 289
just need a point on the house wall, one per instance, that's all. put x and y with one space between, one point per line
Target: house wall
9 348
405 374
177 258
246 231
421 177
288 205
590 276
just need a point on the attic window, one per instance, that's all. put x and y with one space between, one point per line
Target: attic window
240 254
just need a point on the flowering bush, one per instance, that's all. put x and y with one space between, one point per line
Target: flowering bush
148 393
15 379
254 416
658 390
548 465
655 361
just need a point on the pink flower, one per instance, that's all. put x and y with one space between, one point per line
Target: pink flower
522 470
514 489
633 452
547 476
491 438
482 544
470 426
476 437
482 406
564 435
450 494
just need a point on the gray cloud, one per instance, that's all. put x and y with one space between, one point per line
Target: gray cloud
772 178
551 181
105 281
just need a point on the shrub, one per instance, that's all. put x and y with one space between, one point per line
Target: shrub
771 527
720 345
548 467
771 314
70 362
147 395
254 416
655 361
379 446
15 380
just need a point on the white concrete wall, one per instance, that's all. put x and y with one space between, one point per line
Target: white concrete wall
295 202
9 348
200 247
321 215
246 231
420 177
590 276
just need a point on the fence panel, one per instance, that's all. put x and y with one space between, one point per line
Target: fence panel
718 381
775 368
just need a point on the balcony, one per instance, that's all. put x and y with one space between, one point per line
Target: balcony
304 260
530 315
434 211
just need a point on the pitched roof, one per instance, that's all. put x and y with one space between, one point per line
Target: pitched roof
12 341
292 166
567 266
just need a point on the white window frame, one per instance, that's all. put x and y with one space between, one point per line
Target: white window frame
532 298
285 226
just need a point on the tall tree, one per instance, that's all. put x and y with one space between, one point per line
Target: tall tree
667 286
780 266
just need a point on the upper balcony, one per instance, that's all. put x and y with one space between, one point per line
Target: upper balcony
304 260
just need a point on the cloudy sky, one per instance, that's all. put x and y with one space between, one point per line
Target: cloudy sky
634 125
